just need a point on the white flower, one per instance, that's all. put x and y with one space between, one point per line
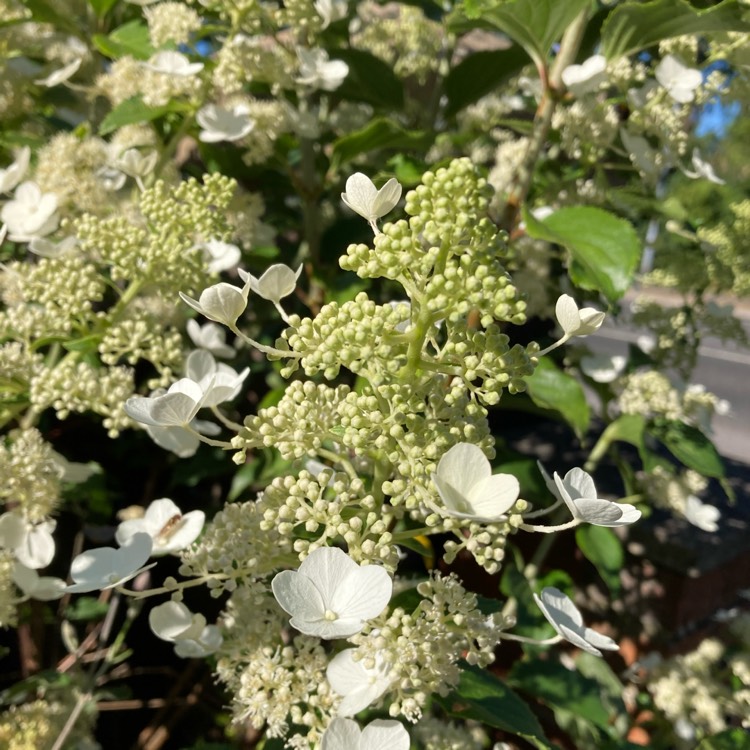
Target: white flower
218 381
210 337
221 302
381 734
163 521
330 596
49 249
568 622
330 10
603 368
468 488
316 70
702 515
219 124
359 686
13 174
135 163
181 441
277 281
580 79
364 198
60 76
578 492
173 64
72 471
42 588
703 169
175 623
641 154
32 544
107 567
176 408
575 322
679 80
30 214
110 178
220 255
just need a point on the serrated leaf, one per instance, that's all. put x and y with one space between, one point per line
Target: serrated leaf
690 446
130 112
370 80
603 550
483 697
604 249
479 74
131 39
551 388
380 133
633 26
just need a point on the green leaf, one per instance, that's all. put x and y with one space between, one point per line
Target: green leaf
633 26
479 74
483 697
730 739
561 689
102 7
603 549
45 12
132 111
604 249
689 445
129 39
551 388
86 608
535 24
85 344
380 133
369 80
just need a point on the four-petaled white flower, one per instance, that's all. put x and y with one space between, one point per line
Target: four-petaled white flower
381 734
359 685
701 514
679 80
175 623
468 488
110 178
277 281
575 322
603 368
586 77
219 124
565 618
703 170
578 492
182 441
316 70
221 256
173 64
135 163
107 567
163 521
30 214
330 596
222 302
176 408
32 544
13 173
210 337
34 586
218 381
60 76
365 199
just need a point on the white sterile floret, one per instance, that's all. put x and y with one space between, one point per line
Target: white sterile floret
172 63
34 586
645 158
679 80
208 642
317 71
221 256
211 337
278 281
364 198
107 567
222 302
580 79
182 441
331 10
702 515
110 178
48 249
30 214
135 163
603 368
32 544
175 623
13 173
703 170
565 618
578 492
381 734
60 76
219 382
219 124
176 407
575 322
169 529
359 685
468 488
330 596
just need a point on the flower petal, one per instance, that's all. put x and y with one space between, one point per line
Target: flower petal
342 734
463 466
383 734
